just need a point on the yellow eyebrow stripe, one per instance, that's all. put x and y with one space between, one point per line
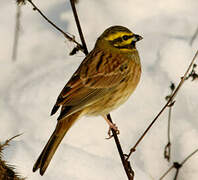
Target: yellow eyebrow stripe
117 35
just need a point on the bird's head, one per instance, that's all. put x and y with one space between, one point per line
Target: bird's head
118 38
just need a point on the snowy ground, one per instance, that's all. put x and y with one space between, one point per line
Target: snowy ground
29 87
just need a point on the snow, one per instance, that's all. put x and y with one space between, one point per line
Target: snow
29 88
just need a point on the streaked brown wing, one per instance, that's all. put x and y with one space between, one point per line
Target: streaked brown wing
97 74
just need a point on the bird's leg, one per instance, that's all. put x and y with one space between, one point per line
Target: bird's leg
111 126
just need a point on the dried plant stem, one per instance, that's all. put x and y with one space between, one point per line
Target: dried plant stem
165 106
16 33
79 27
70 38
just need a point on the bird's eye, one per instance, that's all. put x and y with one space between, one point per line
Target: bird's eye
125 37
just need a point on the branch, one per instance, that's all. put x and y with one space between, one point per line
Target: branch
189 156
178 166
165 106
126 164
167 149
78 26
194 36
166 172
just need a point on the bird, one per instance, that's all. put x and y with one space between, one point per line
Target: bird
104 80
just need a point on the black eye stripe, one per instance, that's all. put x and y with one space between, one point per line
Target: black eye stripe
125 37
117 40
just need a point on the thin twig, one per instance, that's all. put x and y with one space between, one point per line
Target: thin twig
178 166
70 38
165 106
166 172
125 162
194 36
176 174
188 157
167 149
16 33
78 26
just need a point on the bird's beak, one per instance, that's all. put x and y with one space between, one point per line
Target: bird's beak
137 37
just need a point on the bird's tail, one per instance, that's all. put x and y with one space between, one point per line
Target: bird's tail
46 155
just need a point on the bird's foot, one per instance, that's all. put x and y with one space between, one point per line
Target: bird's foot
115 128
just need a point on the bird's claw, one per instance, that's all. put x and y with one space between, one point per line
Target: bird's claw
112 127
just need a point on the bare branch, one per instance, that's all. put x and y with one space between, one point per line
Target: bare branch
166 172
167 149
126 164
79 27
189 156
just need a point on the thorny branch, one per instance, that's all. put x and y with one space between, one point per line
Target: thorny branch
165 106
178 166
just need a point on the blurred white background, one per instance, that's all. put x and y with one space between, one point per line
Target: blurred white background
29 88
